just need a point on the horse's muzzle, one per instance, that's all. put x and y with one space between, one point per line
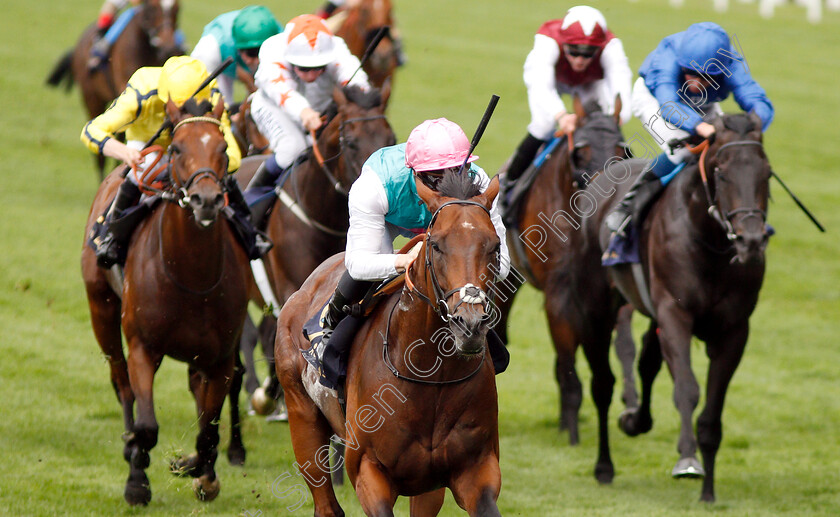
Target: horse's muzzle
469 327
206 207
750 246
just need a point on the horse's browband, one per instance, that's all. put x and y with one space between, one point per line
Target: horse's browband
197 119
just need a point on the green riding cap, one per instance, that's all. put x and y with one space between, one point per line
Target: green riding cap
253 25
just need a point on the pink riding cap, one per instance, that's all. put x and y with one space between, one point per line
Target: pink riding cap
437 144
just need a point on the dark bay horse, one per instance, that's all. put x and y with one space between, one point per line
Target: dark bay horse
549 229
422 412
359 26
702 260
184 295
309 223
148 40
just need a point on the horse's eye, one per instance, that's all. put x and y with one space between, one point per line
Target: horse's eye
175 150
435 246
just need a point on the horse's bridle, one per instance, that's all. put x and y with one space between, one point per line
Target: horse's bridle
152 32
178 191
342 143
469 293
724 219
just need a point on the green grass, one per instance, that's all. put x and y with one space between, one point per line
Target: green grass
60 426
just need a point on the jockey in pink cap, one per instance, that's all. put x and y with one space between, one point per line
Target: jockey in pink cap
383 204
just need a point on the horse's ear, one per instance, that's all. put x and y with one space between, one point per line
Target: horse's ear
219 109
173 112
719 125
429 196
339 97
617 113
385 91
487 197
578 107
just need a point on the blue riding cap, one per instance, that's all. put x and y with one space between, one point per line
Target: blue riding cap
700 43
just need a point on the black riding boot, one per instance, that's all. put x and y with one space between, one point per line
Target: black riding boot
645 188
237 212
99 52
266 176
525 154
108 249
339 329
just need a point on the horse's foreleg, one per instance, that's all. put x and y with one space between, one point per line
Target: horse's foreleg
375 491
236 449
141 368
477 489
724 356
625 349
216 387
597 349
638 420
565 344
675 338
428 504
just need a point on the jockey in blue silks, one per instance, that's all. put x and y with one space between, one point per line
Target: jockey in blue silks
679 87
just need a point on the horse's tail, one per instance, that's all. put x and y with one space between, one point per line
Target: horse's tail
62 72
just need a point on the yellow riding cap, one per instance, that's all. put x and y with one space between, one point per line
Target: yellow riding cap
180 77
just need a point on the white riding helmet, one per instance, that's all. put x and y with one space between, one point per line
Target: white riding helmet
310 42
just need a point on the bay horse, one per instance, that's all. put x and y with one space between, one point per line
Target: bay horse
147 40
184 295
422 410
542 246
702 259
361 22
309 223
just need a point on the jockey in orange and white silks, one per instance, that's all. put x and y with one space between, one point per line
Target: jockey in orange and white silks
299 68
575 55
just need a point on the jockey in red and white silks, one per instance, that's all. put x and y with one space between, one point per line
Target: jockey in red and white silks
575 55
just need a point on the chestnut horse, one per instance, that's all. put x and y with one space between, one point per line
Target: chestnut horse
541 247
418 418
702 259
184 295
360 24
148 40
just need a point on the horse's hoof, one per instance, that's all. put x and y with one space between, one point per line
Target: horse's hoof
137 491
206 490
184 466
604 474
632 423
688 468
236 456
262 403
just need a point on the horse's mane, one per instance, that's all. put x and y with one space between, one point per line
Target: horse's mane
458 186
741 123
365 99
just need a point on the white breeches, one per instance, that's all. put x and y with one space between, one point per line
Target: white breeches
286 137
